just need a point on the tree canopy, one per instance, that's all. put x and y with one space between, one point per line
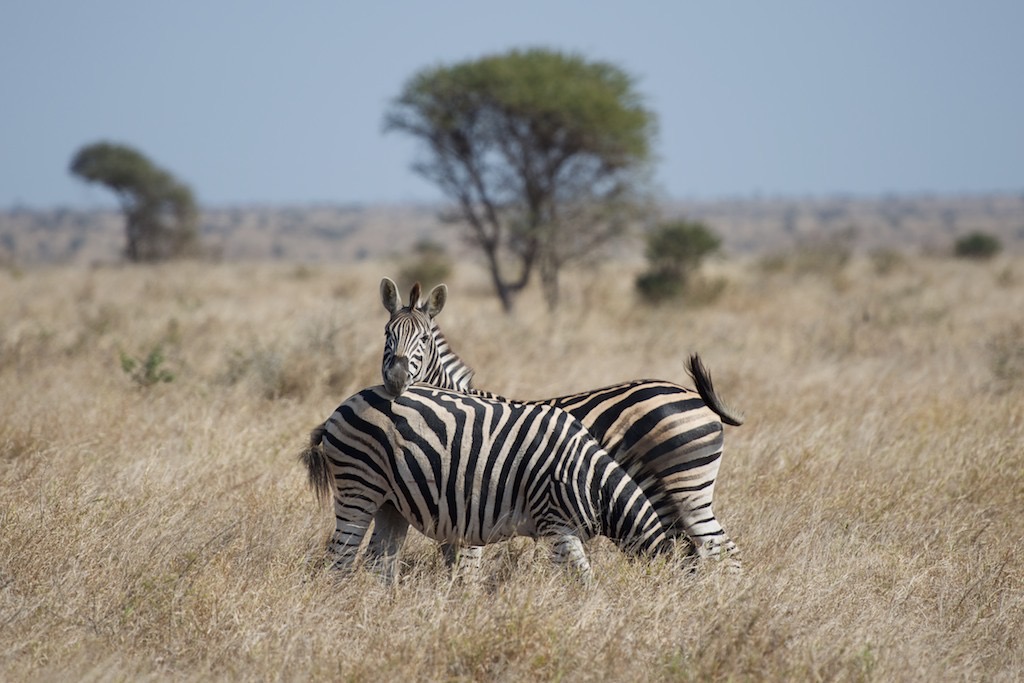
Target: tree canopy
542 152
160 211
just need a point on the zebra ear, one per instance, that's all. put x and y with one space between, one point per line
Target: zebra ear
435 300
414 296
389 295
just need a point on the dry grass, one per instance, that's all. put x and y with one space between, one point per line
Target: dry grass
163 530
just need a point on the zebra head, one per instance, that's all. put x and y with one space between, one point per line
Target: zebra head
409 344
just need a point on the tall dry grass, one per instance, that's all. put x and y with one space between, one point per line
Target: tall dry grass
163 529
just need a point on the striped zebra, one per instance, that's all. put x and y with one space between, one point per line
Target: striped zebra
468 470
665 435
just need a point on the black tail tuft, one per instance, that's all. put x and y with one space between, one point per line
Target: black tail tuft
706 389
315 460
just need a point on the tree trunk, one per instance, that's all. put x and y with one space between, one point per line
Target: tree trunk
549 282
501 287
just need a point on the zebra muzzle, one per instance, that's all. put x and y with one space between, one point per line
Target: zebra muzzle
397 378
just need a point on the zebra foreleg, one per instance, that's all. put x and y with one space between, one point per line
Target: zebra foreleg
462 560
389 531
568 549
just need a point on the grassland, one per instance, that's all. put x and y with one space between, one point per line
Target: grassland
155 524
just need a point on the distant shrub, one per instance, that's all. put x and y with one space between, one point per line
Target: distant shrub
429 265
658 286
674 252
149 370
977 245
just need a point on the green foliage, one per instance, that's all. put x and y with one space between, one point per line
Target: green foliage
680 246
977 245
658 286
430 265
147 371
674 251
542 153
160 211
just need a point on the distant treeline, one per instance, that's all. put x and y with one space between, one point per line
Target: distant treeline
345 233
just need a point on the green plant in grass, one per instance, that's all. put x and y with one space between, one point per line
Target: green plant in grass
148 370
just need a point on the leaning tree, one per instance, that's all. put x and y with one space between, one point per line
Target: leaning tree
544 154
160 212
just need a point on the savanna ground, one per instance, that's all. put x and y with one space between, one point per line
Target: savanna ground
155 523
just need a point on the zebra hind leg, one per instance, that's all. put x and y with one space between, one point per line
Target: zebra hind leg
723 549
389 532
710 539
351 525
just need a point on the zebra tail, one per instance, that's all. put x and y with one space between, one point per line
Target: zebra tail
702 378
315 460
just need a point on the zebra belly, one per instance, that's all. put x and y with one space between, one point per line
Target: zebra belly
466 529
453 512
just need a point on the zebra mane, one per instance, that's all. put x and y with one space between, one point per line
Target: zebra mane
455 372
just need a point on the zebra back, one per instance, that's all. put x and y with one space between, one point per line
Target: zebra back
465 469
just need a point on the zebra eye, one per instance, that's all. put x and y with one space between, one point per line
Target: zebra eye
424 338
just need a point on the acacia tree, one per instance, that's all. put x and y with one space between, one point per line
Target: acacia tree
543 153
160 212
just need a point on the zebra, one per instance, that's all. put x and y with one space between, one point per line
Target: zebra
665 435
470 470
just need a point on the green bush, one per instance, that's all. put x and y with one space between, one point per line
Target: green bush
680 246
977 245
674 252
659 286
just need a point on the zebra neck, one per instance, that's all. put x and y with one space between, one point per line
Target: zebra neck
628 517
446 370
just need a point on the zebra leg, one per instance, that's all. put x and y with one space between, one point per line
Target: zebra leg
351 525
462 559
389 531
710 539
568 549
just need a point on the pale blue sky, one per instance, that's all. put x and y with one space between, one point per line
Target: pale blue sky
282 102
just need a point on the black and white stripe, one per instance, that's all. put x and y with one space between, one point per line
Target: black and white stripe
667 437
469 471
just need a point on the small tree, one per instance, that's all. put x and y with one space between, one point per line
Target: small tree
542 152
977 245
160 212
674 251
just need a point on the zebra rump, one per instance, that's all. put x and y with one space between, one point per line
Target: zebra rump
467 470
